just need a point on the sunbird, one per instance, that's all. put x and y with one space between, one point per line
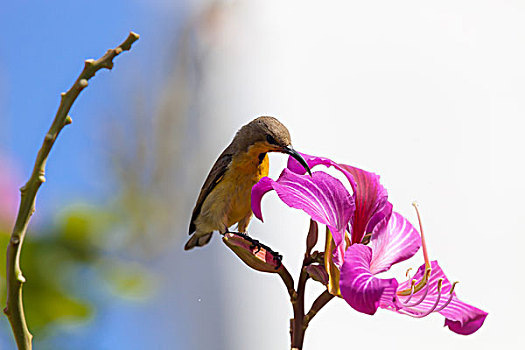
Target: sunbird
225 197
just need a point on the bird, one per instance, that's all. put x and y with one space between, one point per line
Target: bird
225 196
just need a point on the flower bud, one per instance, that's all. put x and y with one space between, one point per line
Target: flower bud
258 257
318 273
311 239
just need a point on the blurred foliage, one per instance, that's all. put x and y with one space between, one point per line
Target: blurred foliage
152 151
57 291
89 253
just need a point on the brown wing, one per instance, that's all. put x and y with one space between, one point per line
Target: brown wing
214 177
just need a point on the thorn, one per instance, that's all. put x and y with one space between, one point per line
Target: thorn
6 311
82 83
293 298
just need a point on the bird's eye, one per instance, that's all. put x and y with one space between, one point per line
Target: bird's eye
271 140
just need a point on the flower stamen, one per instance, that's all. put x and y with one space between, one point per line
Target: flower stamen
451 295
418 286
406 304
429 311
412 284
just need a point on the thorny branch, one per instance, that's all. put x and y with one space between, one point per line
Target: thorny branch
14 277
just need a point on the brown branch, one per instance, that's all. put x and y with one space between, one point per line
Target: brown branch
317 305
14 278
297 328
288 282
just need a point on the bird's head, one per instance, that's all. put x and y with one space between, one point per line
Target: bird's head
268 134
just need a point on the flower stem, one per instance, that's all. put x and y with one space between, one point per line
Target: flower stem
317 305
14 277
297 323
288 282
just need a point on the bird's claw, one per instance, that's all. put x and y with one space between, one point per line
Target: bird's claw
278 258
256 244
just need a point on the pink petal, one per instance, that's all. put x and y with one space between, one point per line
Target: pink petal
258 191
365 293
321 196
312 161
461 317
465 328
371 202
359 287
393 240
371 198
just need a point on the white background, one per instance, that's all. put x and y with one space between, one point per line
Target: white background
430 95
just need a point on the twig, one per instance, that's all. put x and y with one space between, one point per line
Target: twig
297 327
288 282
14 278
317 305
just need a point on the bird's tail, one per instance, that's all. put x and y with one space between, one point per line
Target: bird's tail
198 240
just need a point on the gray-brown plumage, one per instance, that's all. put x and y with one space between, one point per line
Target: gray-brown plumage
225 197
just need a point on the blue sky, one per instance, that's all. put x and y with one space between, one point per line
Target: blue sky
42 49
41 53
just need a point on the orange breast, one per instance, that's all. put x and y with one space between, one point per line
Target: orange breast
245 172
263 168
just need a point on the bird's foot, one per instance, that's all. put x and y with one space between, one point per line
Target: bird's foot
255 243
277 258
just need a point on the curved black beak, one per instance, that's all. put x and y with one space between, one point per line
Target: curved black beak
289 150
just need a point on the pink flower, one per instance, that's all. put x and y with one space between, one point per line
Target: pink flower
352 265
